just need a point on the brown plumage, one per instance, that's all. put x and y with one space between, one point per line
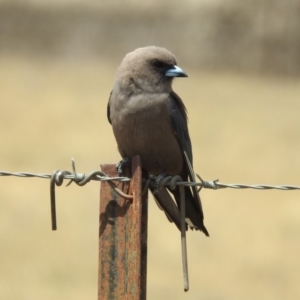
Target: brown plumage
150 120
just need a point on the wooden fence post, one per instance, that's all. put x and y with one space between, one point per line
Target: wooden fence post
123 237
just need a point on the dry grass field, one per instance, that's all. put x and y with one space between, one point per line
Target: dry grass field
244 128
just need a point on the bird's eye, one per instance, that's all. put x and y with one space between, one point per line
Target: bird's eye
158 64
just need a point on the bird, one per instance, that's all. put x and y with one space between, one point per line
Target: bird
150 120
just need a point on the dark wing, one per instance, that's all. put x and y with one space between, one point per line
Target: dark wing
179 122
108 109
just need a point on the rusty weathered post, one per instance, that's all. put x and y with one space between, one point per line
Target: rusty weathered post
123 238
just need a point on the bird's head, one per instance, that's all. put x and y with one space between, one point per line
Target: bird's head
149 69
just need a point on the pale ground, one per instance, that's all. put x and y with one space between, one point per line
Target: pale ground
244 129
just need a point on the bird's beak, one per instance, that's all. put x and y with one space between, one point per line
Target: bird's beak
175 72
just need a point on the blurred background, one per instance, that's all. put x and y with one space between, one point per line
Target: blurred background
57 65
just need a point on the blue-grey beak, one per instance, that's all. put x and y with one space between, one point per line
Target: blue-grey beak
175 72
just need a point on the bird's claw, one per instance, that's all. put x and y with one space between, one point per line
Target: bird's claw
157 180
125 162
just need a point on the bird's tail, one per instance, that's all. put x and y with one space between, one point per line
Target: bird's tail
193 216
166 203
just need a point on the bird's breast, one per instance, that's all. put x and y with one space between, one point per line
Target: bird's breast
145 129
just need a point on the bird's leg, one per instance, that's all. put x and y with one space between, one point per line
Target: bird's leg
157 180
125 162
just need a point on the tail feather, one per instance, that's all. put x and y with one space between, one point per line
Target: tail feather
165 202
193 216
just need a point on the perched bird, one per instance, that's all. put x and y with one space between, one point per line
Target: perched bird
150 120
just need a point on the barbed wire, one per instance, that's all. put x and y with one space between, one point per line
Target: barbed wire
81 179
58 176
81 176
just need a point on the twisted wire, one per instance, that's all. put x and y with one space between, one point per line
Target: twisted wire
100 176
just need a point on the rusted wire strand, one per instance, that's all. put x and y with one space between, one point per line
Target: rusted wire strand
182 231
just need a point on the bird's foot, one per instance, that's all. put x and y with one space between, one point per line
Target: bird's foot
125 162
157 180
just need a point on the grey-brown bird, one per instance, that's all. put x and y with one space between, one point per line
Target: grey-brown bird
150 120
